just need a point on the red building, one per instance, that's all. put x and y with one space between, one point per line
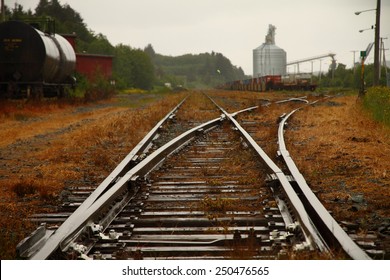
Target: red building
91 65
94 65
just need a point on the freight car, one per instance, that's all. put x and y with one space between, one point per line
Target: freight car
32 62
91 66
273 82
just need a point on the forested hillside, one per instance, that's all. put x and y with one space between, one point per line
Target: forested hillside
200 70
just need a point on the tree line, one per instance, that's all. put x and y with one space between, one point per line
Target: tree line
144 69
350 78
195 70
132 67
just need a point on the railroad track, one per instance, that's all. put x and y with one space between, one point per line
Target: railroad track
193 197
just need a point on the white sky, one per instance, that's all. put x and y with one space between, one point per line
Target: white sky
304 28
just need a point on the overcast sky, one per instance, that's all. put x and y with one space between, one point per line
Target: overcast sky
304 28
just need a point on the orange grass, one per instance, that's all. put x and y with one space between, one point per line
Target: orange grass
47 164
339 149
38 120
342 152
198 108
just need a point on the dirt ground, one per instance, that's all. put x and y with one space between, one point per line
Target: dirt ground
343 154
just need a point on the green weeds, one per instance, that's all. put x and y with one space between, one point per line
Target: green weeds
377 102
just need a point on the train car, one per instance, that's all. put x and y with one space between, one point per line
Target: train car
91 66
33 63
300 81
272 82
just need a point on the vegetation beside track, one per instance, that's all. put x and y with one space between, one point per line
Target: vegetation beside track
377 102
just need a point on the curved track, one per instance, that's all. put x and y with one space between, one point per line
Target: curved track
192 197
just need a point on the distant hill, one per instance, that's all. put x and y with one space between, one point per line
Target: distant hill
195 70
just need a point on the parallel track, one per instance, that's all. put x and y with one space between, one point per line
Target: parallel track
193 205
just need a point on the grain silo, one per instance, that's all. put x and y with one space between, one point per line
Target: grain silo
269 59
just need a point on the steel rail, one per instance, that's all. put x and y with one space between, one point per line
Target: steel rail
321 217
63 239
28 245
294 99
149 163
312 236
129 161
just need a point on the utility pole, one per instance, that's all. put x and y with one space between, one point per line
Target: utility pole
376 50
320 69
382 55
362 90
354 61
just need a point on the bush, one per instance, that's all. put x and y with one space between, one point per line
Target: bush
377 102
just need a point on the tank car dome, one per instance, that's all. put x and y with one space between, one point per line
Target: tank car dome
269 59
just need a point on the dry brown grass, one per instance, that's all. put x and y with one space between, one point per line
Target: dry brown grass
33 176
198 108
32 124
338 149
343 153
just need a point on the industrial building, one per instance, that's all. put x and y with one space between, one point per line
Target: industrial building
269 59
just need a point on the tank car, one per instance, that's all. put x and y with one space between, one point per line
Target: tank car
33 63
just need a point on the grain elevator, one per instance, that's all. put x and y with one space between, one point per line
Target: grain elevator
269 59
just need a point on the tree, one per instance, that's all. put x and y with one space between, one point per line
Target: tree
18 13
101 45
200 70
133 67
68 21
41 7
150 51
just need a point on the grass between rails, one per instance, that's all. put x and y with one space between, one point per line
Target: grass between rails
198 108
